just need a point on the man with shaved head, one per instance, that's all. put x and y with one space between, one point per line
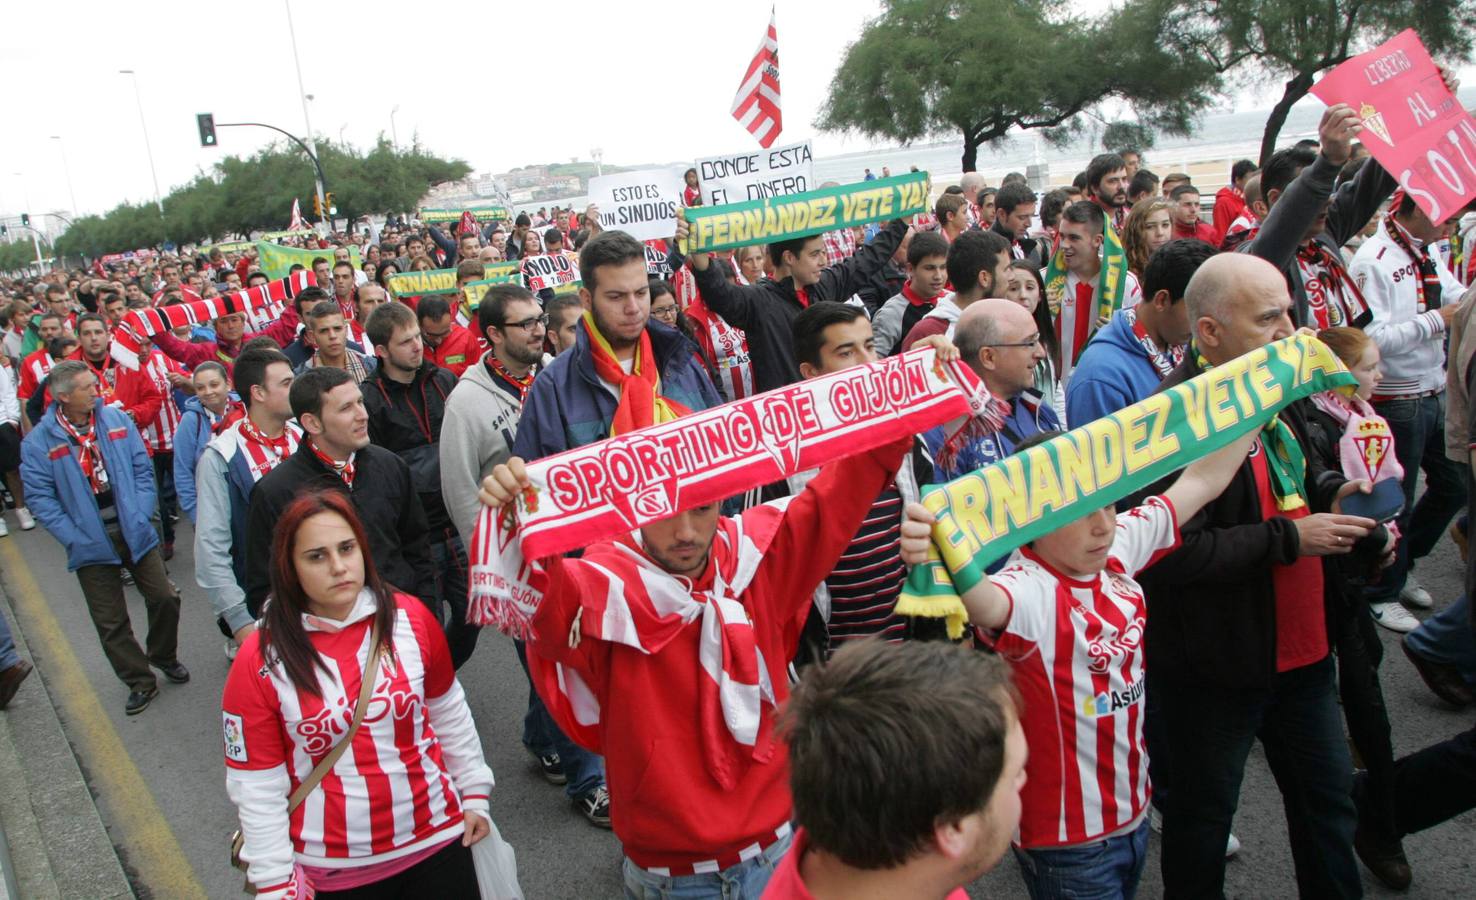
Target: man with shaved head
1237 637
1000 341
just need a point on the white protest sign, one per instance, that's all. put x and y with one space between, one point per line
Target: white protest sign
548 272
751 176
642 204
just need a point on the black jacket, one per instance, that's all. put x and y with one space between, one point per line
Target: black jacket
1343 576
1353 205
387 503
766 311
406 419
1211 605
1031 247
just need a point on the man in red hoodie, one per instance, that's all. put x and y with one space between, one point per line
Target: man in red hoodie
666 650
1231 200
1187 223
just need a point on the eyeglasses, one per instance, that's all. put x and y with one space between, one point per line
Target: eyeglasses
664 312
529 324
1029 342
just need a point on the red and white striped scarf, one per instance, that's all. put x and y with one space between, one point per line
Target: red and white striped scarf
631 600
261 305
264 454
344 469
89 455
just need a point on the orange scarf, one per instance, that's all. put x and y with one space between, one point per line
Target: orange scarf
641 404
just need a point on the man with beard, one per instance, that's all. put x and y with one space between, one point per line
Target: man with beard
1107 181
978 268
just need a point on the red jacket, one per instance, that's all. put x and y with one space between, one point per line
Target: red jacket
131 390
1201 231
666 808
1229 204
457 352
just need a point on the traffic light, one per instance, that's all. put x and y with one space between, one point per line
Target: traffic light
206 123
25 220
328 199
317 206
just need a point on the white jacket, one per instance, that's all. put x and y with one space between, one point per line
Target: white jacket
1412 343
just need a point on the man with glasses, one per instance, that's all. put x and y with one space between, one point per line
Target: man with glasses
1000 341
447 344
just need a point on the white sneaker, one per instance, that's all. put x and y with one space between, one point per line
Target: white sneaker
4 529
1415 596
26 520
230 648
1394 617
1155 822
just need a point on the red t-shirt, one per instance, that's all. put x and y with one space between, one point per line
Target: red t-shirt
1301 628
786 883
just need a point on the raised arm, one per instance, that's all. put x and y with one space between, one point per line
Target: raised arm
1298 207
840 281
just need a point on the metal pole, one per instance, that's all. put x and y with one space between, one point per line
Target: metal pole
148 147
394 132
67 169
302 95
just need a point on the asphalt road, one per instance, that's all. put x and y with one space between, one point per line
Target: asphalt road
160 783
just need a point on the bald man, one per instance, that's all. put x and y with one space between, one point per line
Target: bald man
999 340
1237 633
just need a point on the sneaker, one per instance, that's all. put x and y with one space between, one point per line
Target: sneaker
127 577
231 647
1394 617
1443 679
138 701
1415 596
27 521
4 529
1155 822
594 805
10 681
175 672
551 766
1386 861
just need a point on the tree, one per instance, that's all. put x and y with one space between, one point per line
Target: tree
1299 39
981 68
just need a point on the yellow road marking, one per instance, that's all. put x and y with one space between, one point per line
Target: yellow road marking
138 823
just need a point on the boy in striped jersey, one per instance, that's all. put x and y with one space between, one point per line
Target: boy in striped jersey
1069 617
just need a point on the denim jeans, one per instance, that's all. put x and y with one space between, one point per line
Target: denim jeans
1105 870
1448 637
745 881
1418 427
168 500
1210 729
449 557
8 656
542 735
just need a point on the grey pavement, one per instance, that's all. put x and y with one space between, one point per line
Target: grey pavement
176 746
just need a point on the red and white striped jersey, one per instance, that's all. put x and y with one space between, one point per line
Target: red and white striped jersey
1076 648
33 371
158 434
415 763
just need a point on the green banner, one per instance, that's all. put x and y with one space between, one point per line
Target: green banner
792 216
483 214
422 284
229 247
277 261
984 515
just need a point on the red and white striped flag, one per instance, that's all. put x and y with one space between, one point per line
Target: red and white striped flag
756 105
297 224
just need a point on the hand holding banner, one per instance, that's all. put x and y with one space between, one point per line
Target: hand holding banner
1412 124
984 515
802 215
614 486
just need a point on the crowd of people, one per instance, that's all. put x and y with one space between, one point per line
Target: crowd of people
731 689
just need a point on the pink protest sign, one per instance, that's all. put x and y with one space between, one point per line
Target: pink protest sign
1411 123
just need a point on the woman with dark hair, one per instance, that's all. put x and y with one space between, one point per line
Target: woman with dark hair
691 192
387 267
1027 289
664 309
410 795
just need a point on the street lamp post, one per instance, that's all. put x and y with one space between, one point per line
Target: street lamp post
158 201
303 95
67 169
394 132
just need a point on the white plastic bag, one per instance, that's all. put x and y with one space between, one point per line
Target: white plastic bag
497 867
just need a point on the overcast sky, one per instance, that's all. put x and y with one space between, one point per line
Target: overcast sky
649 82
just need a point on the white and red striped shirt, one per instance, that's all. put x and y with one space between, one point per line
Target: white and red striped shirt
415 764
158 434
1076 648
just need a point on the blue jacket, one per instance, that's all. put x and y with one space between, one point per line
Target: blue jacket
569 407
1114 372
190 438
1029 415
61 499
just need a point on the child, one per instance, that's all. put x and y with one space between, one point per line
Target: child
1086 793
927 260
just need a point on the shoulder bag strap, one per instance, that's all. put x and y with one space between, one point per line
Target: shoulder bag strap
366 689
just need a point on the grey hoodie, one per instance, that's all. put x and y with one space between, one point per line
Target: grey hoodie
476 434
